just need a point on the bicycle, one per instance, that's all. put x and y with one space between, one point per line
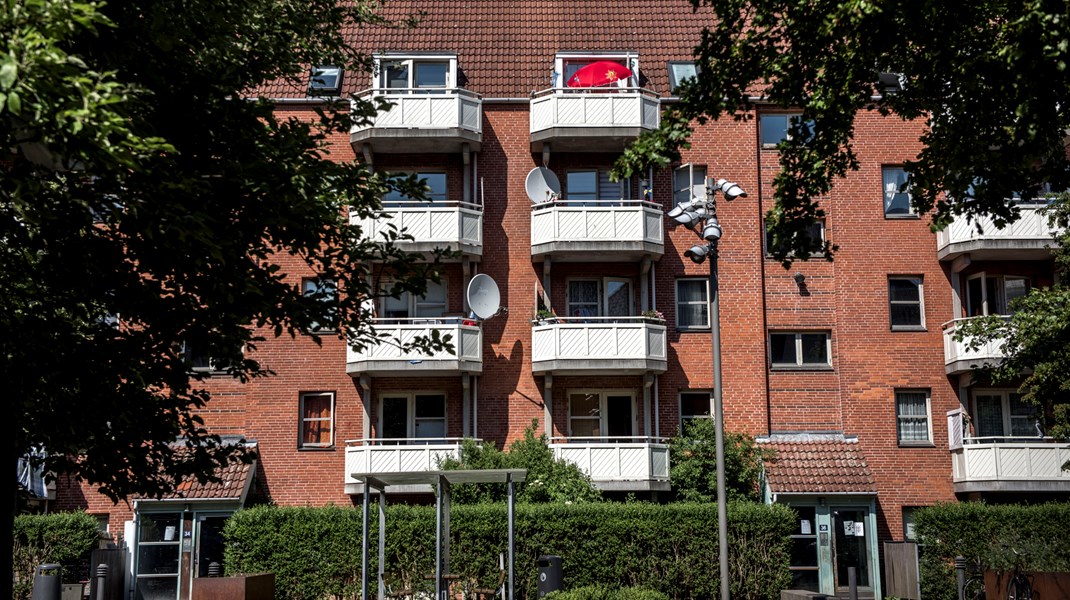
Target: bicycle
974 586
1019 587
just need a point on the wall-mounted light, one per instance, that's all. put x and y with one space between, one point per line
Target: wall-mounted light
799 277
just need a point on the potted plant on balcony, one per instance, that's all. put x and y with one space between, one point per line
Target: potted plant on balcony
654 315
544 316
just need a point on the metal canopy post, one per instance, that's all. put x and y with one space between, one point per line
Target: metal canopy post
512 531
438 540
364 540
382 543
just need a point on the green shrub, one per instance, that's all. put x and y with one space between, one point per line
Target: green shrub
693 460
601 592
996 536
669 549
66 539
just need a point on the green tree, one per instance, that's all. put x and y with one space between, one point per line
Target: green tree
1036 336
147 201
989 80
548 480
693 463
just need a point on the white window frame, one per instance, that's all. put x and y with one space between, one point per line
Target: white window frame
899 418
410 413
603 409
381 61
602 309
1005 411
920 302
680 404
628 59
989 306
677 78
705 302
681 193
325 79
799 364
415 304
887 192
302 421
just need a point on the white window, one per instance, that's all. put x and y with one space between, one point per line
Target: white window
692 304
684 178
325 79
317 420
419 75
606 297
992 294
435 189
800 349
325 291
694 405
776 127
1000 413
896 195
906 306
679 71
912 413
601 414
815 234
412 417
567 64
408 306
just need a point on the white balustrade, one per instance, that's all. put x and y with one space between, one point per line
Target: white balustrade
427 109
597 222
597 342
444 223
396 335
397 455
627 459
959 351
1032 226
595 107
1010 459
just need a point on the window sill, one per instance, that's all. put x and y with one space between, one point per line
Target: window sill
693 329
315 448
901 217
788 368
909 328
917 445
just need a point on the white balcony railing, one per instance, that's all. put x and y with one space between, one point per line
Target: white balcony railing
1002 461
392 352
596 224
595 107
608 344
454 225
959 358
419 108
1030 232
397 455
629 459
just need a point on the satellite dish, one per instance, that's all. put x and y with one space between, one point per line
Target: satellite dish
542 185
483 296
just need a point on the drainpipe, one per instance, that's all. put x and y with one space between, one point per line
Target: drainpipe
366 404
547 405
466 275
644 283
648 383
475 407
546 282
466 156
657 408
466 403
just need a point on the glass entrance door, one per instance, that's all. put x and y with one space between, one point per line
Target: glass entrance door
851 549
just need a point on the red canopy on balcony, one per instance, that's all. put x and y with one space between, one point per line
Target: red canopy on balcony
603 72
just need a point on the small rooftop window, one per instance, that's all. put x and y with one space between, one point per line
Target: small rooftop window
679 71
325 79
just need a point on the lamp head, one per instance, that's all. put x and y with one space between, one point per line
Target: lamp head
697 253
691 216
731 190
712 231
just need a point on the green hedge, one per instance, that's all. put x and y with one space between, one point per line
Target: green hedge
990 535
671 549
66 539
601 592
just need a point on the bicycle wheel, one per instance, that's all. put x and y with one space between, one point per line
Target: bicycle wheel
974 589
1019 588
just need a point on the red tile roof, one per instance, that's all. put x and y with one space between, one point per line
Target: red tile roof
506 49
818 464
232 485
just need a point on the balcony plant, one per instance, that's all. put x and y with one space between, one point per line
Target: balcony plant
544 316
654 315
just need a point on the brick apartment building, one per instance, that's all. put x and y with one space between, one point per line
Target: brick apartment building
848 369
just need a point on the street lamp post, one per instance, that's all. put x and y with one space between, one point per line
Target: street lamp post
703 209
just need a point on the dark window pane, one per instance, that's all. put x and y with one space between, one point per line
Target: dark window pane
431 74
806 513
774 128
804 580
157 559
804 552
906 314
430 406
159 528
395 417
815 349
904 290
782 348
694 404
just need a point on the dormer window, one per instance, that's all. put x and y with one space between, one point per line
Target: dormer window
325 79
611 70
679 71
416 74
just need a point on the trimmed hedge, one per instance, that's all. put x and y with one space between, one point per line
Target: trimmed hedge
671 549
66 539
599 592
990 535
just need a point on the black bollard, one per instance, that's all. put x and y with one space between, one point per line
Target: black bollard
102 579
960 575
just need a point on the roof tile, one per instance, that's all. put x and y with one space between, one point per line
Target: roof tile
824 465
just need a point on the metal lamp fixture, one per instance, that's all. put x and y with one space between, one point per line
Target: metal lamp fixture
702 208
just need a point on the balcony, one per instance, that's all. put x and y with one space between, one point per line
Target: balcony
456 226
959 358
600 230
422 121
628 464
396 455
1010 465
391 357
1028 238
598 345
591 120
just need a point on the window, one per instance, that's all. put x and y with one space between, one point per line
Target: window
684 178
992 294
601 414
906 305
412 418
908 523
581 185
679 71
815 233
324 291
607 297
196 360
325 79
804 565
590 185
317 420
694 405
912 417
406 306
896 195
566 65
776 127
435 189
1003 414
417 75
809 349
692 304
